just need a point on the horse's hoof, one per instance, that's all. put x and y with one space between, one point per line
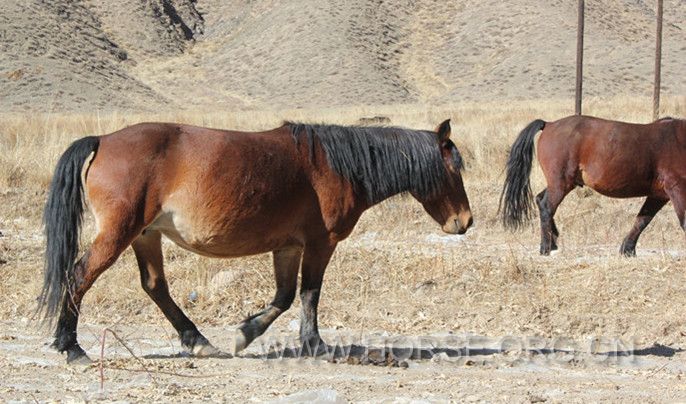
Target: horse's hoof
627 252
314 346
77 356
82 360
241 342
204 351
628 248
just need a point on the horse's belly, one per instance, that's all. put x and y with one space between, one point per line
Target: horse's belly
215 239
615 183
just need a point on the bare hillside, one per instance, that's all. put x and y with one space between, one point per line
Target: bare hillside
87 55
80 55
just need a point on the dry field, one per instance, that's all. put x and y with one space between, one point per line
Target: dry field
583 324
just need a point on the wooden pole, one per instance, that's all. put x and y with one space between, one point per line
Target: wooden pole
658 62
579 57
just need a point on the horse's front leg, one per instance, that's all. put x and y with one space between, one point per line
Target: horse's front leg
649 209
316 258
286 264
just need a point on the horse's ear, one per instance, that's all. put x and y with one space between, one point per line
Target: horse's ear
443 131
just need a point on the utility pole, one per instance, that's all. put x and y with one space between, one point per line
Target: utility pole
658 62
579 57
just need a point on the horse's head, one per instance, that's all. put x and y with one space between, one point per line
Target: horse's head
450 207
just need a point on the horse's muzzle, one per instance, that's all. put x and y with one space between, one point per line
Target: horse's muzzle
458 224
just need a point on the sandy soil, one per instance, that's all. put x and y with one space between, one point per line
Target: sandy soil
379 368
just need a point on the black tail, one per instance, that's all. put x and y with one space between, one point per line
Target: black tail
62 219
516 195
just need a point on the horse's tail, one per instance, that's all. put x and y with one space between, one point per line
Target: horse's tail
62 219
516 199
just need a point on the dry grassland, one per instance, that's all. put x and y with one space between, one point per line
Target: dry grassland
397 272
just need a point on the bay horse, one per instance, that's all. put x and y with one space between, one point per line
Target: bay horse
616 159
295 191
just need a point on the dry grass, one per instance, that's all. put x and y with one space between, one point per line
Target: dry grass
396 272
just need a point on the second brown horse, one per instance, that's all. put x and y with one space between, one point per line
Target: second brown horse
296 191
617 159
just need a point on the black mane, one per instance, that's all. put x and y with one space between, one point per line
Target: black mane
381 161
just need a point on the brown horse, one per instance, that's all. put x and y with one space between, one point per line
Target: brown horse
296 191
617 159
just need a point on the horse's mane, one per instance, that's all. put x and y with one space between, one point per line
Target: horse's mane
380 161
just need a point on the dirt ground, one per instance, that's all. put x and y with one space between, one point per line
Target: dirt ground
461 368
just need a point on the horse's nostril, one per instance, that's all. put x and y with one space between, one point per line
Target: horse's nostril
471 222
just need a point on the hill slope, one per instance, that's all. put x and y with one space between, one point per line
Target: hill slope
87 55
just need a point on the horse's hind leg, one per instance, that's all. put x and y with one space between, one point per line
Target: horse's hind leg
148 250
286 265
548 201
649 209
541 201
104 251
314 263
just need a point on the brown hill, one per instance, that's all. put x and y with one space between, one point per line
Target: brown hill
86 55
